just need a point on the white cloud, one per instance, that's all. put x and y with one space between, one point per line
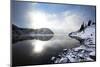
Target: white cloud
65 22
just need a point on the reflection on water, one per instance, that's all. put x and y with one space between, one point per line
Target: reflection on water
39 46
40 52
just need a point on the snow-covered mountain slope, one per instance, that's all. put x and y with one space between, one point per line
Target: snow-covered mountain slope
86 50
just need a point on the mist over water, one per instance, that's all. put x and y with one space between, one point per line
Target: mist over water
25 51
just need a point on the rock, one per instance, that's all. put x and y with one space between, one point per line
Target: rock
86 50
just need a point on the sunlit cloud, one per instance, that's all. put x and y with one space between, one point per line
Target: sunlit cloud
65 21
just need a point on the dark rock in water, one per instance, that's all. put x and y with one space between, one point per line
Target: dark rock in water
20 34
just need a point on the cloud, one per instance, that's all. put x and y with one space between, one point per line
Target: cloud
59 23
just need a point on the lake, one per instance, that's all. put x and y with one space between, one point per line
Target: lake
33 52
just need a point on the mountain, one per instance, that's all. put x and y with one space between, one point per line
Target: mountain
20 34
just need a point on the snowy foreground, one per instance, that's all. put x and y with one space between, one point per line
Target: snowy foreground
86 50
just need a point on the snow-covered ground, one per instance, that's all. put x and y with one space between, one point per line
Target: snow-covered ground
82 53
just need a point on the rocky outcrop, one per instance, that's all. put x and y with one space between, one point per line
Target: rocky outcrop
86 50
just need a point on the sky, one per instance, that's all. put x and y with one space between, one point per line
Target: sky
64 17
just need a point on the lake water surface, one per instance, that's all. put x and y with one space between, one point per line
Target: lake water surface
33 52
